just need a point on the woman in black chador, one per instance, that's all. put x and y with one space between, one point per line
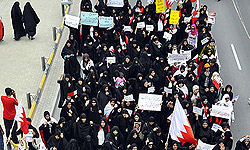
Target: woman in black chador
17 23
30 20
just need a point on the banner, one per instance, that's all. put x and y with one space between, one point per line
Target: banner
72 21
174 17
179 58
89 18
115 3
221 111
150 102
160 6
106 22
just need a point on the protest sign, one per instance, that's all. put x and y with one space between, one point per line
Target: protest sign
179 58
215 127
111 60
149 27
211 18
205 40
235 99
197 110
167 36
29 135
127 28
72 21
89 18
115 3
186 53
160 6
204 146
174 17
106 22
137 126
167 90
141 25
128 97
150 102
221 111
151 89
187 19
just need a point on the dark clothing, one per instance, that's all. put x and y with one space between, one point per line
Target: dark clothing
17 21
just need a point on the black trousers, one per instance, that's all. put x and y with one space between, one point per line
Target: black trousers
8 124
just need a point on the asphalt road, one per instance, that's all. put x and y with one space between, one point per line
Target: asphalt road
229 30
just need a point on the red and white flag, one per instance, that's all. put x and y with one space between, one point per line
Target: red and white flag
21 117
217 81
72 93
180 129
169 3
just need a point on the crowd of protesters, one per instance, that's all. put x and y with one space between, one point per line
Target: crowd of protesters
94 112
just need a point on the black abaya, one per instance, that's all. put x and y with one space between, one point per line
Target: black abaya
17 23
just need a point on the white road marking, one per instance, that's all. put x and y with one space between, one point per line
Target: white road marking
241 20
236 57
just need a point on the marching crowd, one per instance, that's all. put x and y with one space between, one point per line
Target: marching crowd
95 112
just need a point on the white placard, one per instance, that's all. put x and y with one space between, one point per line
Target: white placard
115 3
167 90
29 135
197 110
221 111
167 36
141 25
150 27
215 127
204 41
179 58
187 19
72 21
150 102
127 28
128 97
151 89
211 19
235 99
111 60
204 146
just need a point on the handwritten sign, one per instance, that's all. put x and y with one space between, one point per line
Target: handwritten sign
167 36
215 127
72 21
197 110
150 102
115 3
111 60
149 27
167 90
174 17
204 146
221 111
106 22
204 41
127 28
89 18
128 97
151 89
211 18
160 6
187 19
179 58
235 99
141 25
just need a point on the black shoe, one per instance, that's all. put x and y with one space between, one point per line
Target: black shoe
32 38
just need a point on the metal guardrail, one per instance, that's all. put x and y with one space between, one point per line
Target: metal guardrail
47 69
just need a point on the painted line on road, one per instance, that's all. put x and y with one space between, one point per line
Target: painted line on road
236 57
241 20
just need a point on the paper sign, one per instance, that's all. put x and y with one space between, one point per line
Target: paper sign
89 18
167 90
137 126
141 25
174 17
235 99
179 58
106 22
127 28
197 110
29 135
215 127
160 6
151 89
204 146
211 18
167 36
128 97
187 19
115 3
221 111
204 41
149 27
186 53
150 102
72 21
111 60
